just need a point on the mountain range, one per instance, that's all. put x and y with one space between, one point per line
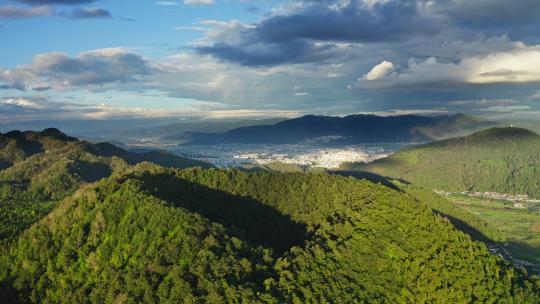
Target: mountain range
351 129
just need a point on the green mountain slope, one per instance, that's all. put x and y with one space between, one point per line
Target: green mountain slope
504 160
150 234
45 167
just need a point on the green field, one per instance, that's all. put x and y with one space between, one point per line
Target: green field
520 226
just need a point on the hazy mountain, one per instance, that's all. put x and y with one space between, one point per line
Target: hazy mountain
505 160
89 128
533 125
352 129
182 130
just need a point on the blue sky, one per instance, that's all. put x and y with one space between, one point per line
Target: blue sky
112 59
151 29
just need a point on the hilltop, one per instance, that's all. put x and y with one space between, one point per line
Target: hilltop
40 168
352 129
17 146
504 160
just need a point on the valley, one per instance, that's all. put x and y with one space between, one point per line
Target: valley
518 222
308 155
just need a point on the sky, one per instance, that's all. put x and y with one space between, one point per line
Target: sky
123 59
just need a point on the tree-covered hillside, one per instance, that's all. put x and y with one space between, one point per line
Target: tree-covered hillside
504 160
41 168
150 234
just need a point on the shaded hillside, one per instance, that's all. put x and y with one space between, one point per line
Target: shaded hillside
157 156
352 129
16 145
44 167
504 160
211 236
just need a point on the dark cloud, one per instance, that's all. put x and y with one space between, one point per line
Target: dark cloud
97 68
293 37
89 13
61 2
489 14
391 21
41 89
290 36
269 53
17 109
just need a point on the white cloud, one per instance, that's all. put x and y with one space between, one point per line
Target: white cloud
219 31
21 102
298 91
519 65
17 109
119 72
166 3
379 71
371 3
397 112
506 109
199 2
190 75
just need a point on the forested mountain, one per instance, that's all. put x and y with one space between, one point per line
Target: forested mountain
150 234
40 168
352 129
504 160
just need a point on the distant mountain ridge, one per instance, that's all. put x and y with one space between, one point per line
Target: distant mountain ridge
185 130
504 160
352 129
